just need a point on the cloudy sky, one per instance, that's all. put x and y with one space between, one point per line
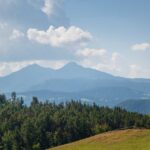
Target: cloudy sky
108 35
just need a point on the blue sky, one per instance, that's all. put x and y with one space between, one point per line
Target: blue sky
108 35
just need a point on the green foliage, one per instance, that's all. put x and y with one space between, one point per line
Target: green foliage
2 99
36 146
44 125
13 96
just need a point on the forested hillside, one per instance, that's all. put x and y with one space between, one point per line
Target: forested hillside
45 125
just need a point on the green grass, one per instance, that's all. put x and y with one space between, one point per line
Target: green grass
133 139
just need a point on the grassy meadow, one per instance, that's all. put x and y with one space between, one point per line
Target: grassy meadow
132 139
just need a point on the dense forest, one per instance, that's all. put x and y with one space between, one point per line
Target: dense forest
43 125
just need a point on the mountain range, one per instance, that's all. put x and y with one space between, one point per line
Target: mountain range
74 82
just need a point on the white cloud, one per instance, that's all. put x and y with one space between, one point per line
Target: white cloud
138 71
135 71
50 7
90 57
54 64
116 62
115 56
141 47
16 34
9 67
101 59
88 52
3 25
95 65
59 37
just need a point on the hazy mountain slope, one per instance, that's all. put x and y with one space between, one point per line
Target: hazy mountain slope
73 70
25 78
109 96
66 85
72 78
29 76
74 82
140 106
117 140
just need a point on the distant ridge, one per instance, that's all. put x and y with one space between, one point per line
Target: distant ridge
34 74
73 81
140 106
73 70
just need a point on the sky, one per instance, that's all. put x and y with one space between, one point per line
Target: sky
108 35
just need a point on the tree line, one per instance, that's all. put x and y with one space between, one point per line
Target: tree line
44 125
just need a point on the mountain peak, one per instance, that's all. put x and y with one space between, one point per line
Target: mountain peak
72 65
33 66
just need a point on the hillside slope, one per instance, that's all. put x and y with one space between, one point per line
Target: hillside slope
137 139
140 106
